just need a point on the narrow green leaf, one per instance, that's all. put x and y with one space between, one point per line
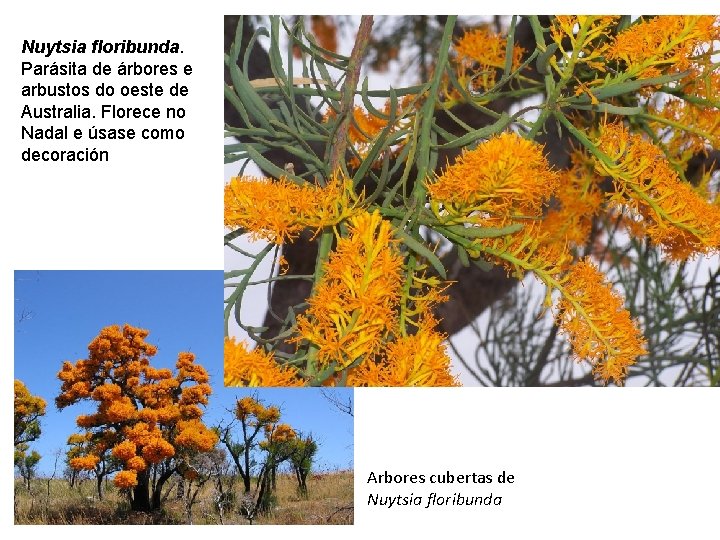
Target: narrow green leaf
543 60
235 273
482 133
612 109
463 256
483 232
422 250
270 167
632 86
482 264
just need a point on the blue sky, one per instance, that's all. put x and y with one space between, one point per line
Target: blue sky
58 313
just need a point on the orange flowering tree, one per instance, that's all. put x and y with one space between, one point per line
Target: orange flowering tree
569 148
252 417
27 412
147 419
301 458
93 454
279 445
258 457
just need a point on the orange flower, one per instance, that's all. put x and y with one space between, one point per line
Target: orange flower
136 463
672 213
664 44
125 450
195 436
85 463
695 128
125 479
578 200
325 31
277 211
597 324
415 360
501 177
480 53
157 450
246 407
278 433
255 368
27 411
354 304
586 35
267 415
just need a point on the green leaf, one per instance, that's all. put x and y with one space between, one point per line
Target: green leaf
483 232
482 264
463 256
632 86
270 167
543 61
422 250
612 109
235 273
482 133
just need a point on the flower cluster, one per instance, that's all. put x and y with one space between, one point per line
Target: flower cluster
253 413
417 359
688 129
587 36
277 211
597 324
669 210
503 181
508 178
353 307
504 177
27 411
666 44
577 200
255 367
479 55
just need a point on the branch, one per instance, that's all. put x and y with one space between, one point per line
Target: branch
337 152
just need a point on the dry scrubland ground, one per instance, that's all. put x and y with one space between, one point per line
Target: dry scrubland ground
330 501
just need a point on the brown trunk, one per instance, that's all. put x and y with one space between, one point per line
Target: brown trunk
140 499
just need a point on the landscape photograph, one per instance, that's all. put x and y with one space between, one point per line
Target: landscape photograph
121 415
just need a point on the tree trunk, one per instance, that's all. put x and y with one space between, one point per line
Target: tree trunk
301 475
157 488
99 486
180 493
140 500
264 501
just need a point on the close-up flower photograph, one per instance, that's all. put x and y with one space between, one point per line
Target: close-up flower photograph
472 200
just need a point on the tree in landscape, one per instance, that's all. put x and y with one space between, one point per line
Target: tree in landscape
252 417
278 446
581 150
148 419
202 468
303 453
26 463
86 449
262 434
27 412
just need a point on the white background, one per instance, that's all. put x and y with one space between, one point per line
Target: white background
589 463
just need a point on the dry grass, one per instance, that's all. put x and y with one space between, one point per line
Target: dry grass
330 501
